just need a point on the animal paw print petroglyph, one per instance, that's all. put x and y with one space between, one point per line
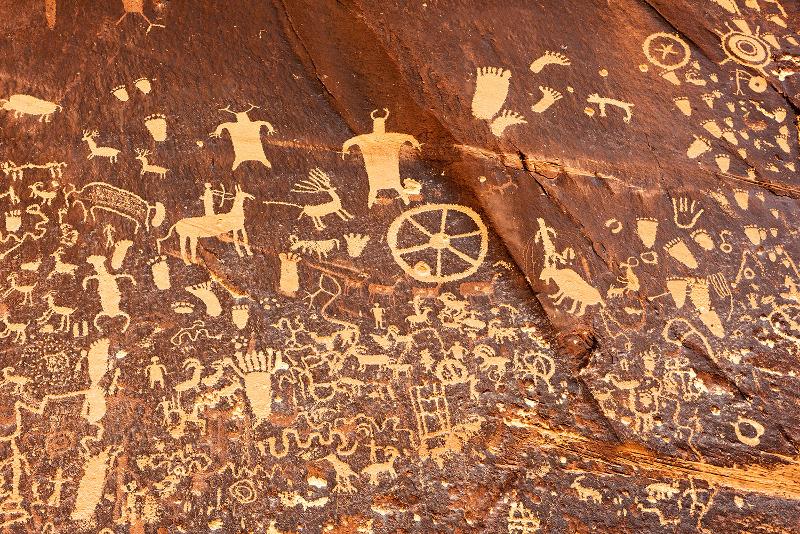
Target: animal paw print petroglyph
491 90
549 97
505 119
203 292
549 58
703 239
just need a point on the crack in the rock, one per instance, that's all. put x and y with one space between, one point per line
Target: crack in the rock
781 480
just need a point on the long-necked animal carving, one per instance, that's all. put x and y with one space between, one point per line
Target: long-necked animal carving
191 229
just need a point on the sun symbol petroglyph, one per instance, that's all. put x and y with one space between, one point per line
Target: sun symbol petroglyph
745 46
668 52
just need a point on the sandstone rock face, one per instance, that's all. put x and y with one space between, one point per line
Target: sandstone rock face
399 266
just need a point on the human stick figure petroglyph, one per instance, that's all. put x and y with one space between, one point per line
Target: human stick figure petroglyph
318 182
381 152
246 137
190 229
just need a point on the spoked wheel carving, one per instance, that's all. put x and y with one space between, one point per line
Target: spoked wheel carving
453 254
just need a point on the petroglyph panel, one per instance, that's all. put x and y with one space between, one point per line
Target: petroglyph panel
373 267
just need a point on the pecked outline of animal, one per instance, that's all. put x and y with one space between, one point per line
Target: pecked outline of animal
484 288
318 182
60 267
102 151
602 101
500 333
30 105
572 286
379 360
490 360
344 474
141 155
376 469
25 291
103 196
586 494
46 196
307 246
18 329
383 290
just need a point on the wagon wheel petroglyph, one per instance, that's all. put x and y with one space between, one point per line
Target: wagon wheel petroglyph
454 250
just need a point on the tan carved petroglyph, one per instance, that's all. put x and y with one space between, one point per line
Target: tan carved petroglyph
191 229
669 52
136 7
602 102
381 152
318 182
30 105
452 262
99 151
147 167
491 90
549 58
245 136
505 119
570 284
549 97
